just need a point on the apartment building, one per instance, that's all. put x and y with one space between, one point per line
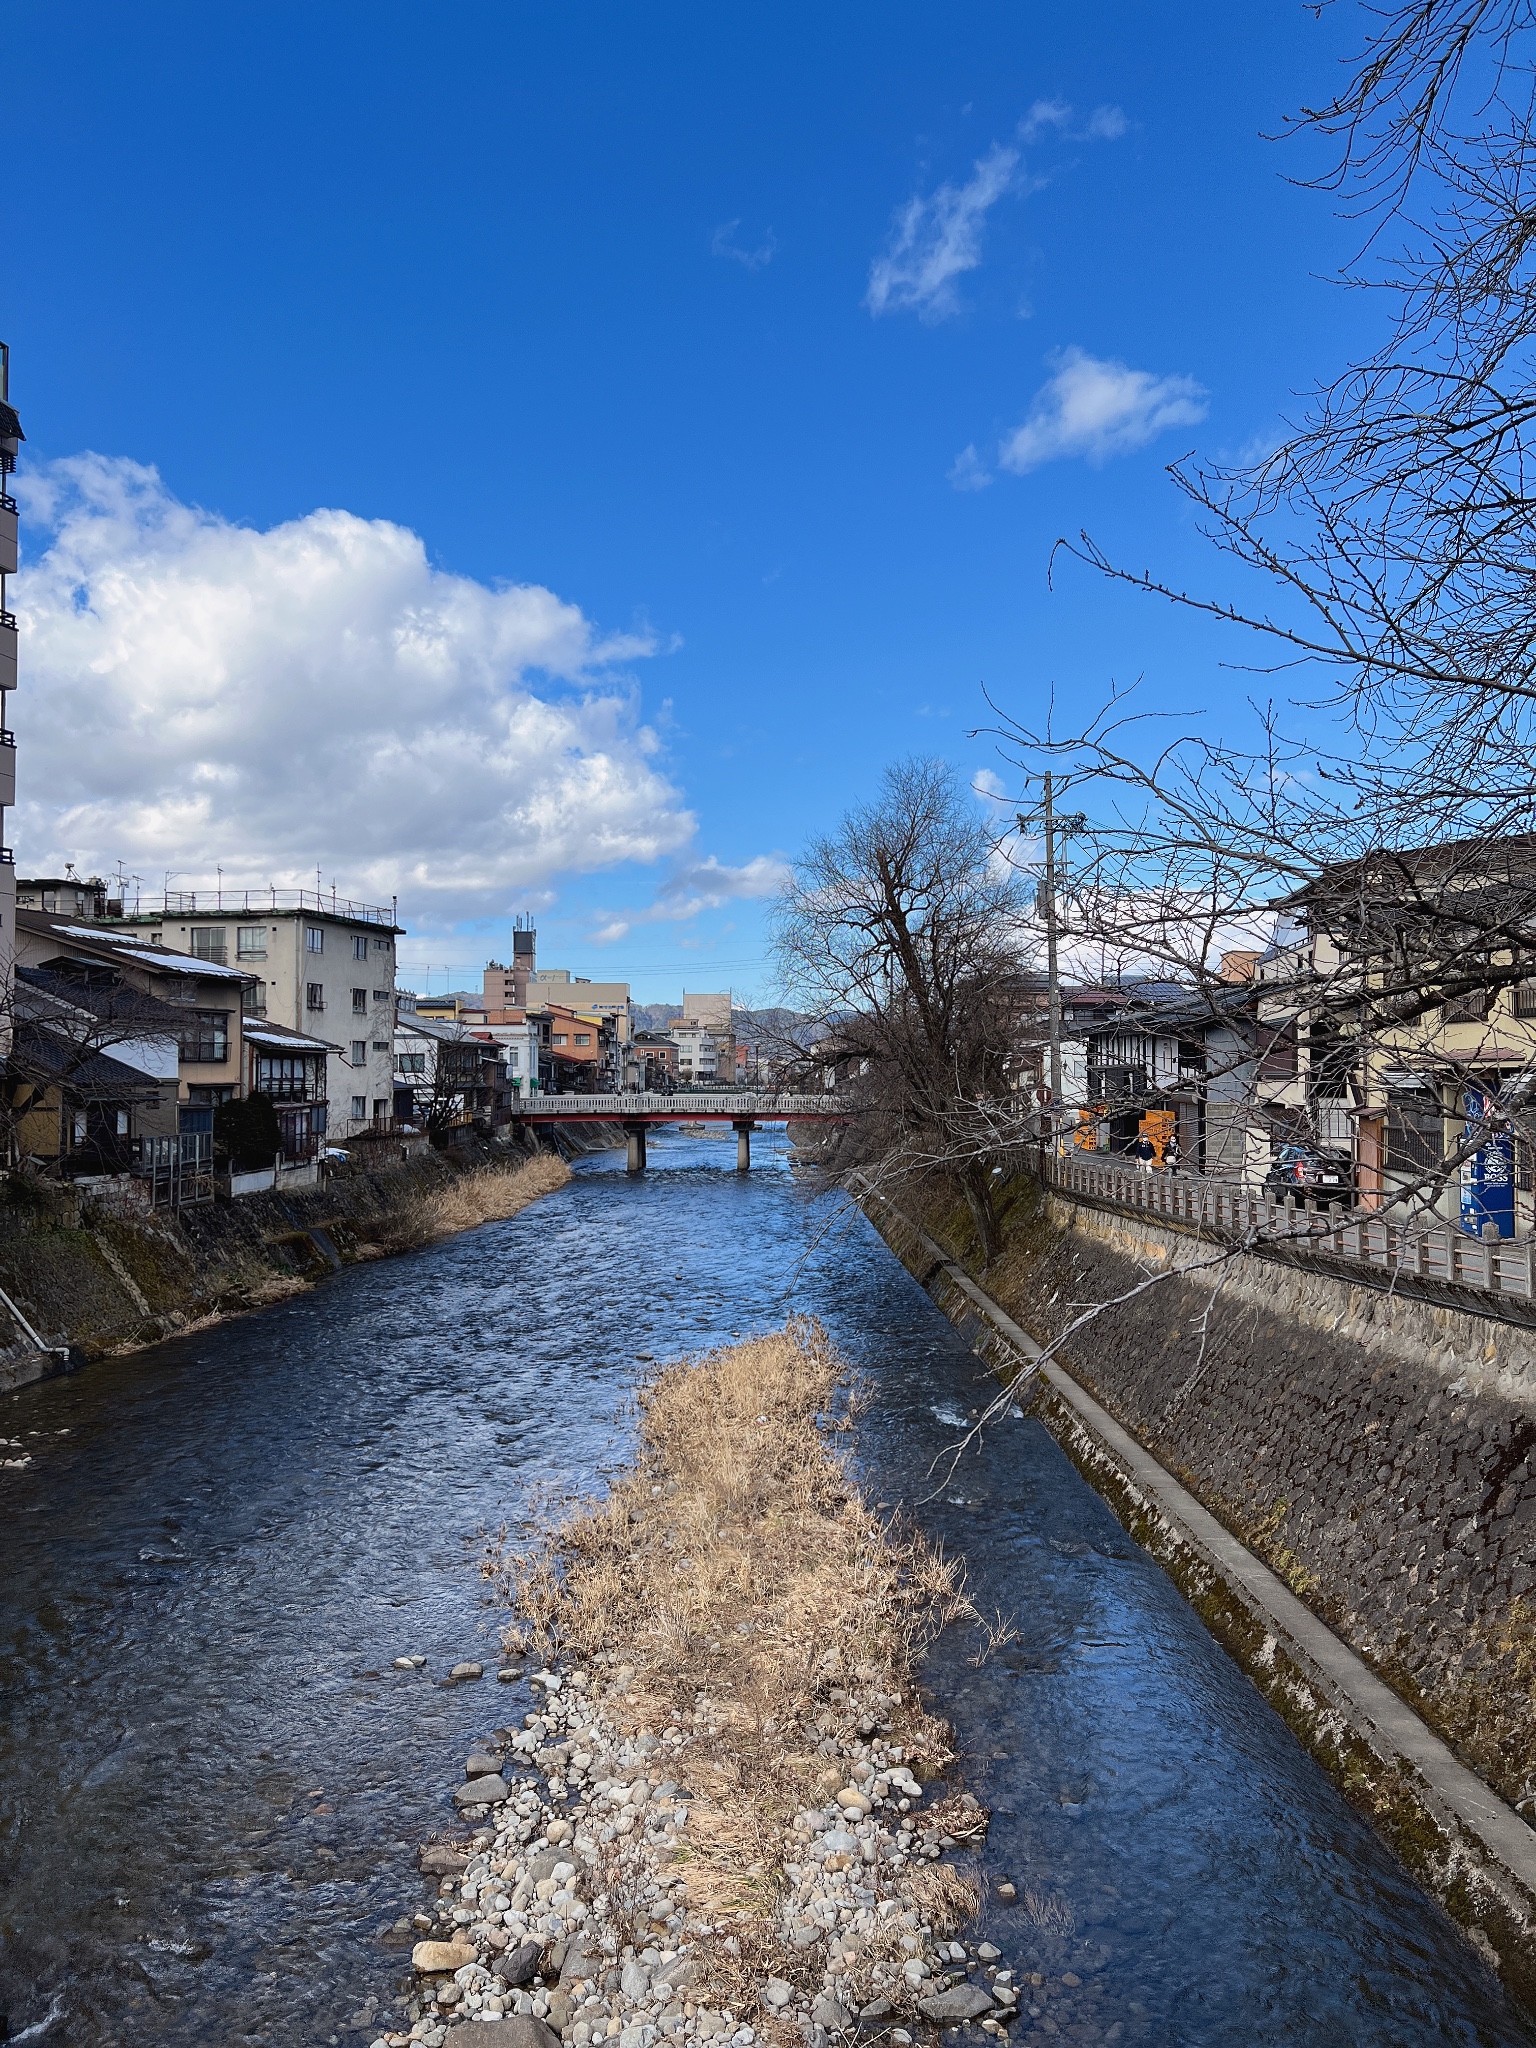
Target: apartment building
319 963
11 438
173 1019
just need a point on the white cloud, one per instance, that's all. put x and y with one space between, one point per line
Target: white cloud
1055 117
697 886
198 693
1098 409
934 241
723 243
1045 117
968 472
1106 124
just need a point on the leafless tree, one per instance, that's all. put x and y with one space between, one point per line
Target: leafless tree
901 936
1395 528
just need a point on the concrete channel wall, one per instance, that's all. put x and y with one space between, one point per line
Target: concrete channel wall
89 1280
1343 1484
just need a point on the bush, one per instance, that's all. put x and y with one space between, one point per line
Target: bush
246 1131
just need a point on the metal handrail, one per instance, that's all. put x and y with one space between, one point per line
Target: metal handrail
226 902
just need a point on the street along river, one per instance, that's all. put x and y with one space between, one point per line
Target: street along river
212 1780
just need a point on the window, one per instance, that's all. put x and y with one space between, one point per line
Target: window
381 1045
1525 999
583 1038
314 939
382 946
410 1063
251 941
359 1002
122 1123
558 1039
254 1000
314 995
359 1052
208 942
359 1108
381 995
512 1058
286 1078
359 948
204 1037
380 1109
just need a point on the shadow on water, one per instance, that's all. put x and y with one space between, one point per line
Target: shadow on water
212 1780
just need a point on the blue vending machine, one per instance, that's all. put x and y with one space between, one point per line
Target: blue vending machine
1488 1175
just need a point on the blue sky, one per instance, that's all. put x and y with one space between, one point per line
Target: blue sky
683 317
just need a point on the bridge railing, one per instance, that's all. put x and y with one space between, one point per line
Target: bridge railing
679 1108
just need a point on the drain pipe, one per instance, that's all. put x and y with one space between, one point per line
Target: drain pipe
48 1350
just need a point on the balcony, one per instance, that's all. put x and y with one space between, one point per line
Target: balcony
7 650
7 535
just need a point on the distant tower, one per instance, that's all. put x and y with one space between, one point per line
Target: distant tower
524 956
11 438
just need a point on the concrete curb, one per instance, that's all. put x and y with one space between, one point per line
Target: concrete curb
1456 1834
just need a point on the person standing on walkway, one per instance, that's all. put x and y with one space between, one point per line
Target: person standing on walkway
1145 1152
1171 1156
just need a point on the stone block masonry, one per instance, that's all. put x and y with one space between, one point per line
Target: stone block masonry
1378 1454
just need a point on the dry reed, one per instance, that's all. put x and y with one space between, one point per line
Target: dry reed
748 1596
482 1194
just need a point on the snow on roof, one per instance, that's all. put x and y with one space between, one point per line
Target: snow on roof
289 1041
162 957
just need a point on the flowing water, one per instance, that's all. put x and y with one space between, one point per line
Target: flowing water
212 1780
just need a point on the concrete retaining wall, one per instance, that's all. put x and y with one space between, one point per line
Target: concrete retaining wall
1378 1455
92 1278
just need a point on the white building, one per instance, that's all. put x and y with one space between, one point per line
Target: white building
698 1055
323 965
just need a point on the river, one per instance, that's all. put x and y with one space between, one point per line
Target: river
212 1780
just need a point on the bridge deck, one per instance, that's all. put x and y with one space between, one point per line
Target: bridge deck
703 1107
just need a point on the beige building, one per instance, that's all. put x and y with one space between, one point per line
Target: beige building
320 964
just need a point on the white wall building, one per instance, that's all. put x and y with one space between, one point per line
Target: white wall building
323 965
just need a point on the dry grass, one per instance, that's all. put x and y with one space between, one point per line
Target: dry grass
484 1194
762 1606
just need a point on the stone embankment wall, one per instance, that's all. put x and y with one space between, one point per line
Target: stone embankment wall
95 1281
1378 1453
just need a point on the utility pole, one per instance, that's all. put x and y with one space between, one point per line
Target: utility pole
1046 821
1052 977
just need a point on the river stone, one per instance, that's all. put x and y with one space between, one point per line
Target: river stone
826 2012
467 1671
962 2002
510 2033
635 1981
482 1791
543 1865
520 1965
579 1966
441 1859
482 1765
777 1993
431 1956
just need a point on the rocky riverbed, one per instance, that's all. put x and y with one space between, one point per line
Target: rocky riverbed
568 1906
729 1818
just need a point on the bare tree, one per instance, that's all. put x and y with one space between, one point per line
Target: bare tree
901 937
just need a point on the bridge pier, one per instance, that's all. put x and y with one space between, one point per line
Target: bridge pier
743 1130
635 1132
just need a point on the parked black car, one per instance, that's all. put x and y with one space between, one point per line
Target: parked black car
1302 1170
